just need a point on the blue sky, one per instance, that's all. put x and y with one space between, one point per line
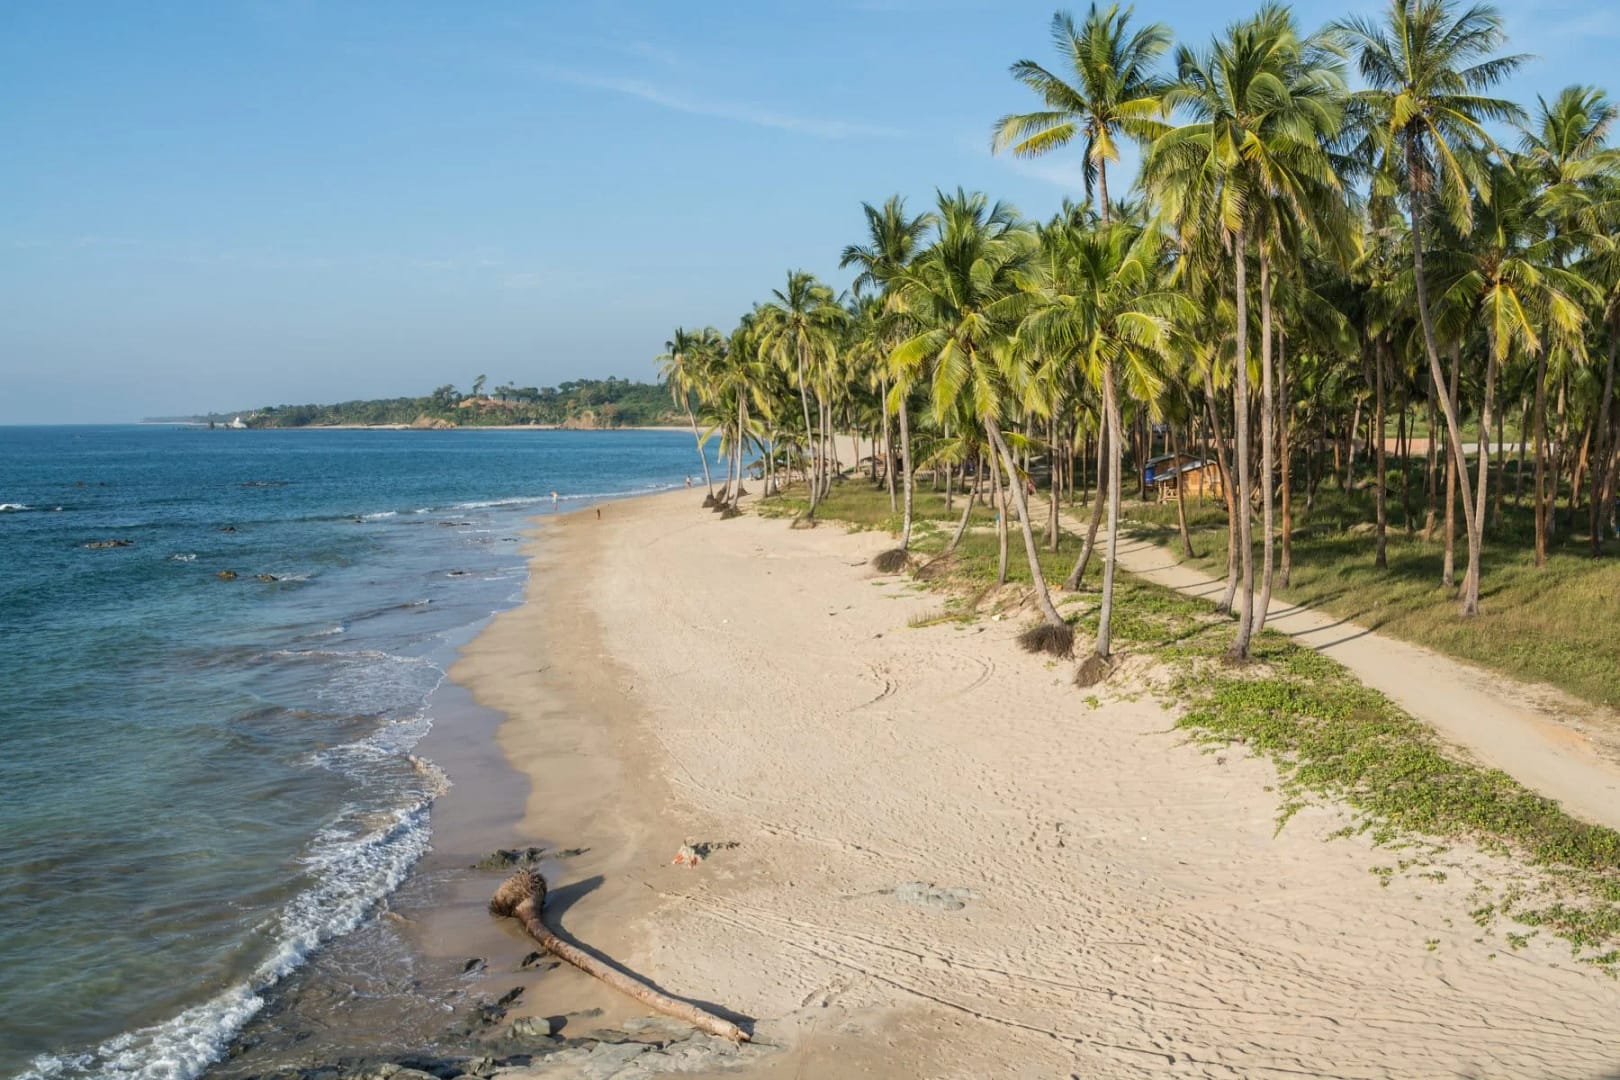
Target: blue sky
217 205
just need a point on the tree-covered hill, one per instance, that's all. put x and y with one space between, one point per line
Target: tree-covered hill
584 403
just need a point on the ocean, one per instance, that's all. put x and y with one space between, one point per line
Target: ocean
219 649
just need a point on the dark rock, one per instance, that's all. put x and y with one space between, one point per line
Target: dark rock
116 542
474 963
268 577
530 1027
226 575
227 528
454 524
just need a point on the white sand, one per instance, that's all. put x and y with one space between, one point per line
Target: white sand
1128 908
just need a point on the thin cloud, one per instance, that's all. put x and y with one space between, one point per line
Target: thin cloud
740 112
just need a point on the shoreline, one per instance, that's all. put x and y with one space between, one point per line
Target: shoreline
946 862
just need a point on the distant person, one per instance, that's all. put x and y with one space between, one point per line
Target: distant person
553 500
688 481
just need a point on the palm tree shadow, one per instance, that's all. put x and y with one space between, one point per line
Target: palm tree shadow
564 897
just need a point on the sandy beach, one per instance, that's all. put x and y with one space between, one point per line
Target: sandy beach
930 856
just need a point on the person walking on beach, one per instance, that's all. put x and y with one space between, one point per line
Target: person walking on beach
553 500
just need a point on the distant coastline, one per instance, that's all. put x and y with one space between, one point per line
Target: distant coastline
590 404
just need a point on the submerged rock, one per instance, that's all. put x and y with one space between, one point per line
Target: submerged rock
226 575
116 542
267 577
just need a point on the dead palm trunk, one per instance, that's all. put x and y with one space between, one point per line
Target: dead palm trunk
1240 410
523 897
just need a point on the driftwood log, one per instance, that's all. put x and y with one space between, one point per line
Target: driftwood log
523 897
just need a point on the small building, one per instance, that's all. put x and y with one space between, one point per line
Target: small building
1171 474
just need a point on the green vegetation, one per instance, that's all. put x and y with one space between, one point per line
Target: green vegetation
1329 736
595 403
1554 624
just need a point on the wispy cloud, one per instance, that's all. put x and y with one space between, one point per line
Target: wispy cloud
741 112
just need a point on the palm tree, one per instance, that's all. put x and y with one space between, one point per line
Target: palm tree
1566 149
1428 67
893 240
681 363
1107 309
1261 102
799 330
967 294
1114 92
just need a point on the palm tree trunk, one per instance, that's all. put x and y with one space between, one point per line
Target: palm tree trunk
1181 497
1448 564
708 481
888 447
1228 491
1431 473
1078 574
1426 317
908 477
1240 411
810 480
1380 498
1476 545
1267 444
1116 465
1001 514
1597 513
1043 595
961 526
1284 454
1538 501
1054 481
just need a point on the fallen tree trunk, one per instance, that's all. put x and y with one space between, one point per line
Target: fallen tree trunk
523 896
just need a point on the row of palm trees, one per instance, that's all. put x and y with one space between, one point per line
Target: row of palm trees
1295 257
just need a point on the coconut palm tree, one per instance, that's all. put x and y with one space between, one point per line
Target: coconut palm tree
682 366
967 294
799 329
1428 67
893 240
1105 306
1261 101
1114 92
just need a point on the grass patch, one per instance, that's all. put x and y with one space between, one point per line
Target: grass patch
1554 625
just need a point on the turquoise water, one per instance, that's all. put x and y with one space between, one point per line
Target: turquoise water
203 780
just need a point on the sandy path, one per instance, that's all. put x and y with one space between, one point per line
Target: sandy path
948 864
1540 736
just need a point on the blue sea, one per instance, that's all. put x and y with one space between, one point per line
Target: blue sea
205 778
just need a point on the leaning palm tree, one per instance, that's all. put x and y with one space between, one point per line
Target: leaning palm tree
682 365
1428 67
967 293
893 240
1114 92
1107 307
